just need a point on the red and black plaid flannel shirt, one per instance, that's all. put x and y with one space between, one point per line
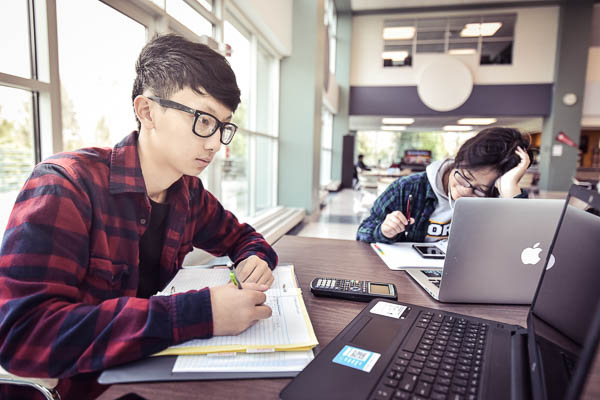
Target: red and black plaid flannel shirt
69 267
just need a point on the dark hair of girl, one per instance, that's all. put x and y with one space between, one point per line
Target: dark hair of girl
493 148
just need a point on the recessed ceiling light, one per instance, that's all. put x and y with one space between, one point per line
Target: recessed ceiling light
477 121
484 29
398 32
461 51
393 128
457 128
398 121
394 55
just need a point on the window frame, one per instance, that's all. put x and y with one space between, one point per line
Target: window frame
47 107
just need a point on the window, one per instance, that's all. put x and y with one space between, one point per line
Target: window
489 36
383 148
326 146
266 168
16 146
265 89
240 60
14 39
96 81
236 167
235 178
249 165
96 58
266 118
331 24
188 16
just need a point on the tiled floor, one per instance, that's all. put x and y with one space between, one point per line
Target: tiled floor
340 217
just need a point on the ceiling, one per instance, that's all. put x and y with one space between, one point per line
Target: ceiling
429 124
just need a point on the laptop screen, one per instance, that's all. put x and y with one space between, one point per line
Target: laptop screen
567 297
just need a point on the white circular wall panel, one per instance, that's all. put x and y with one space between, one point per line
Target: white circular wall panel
444 84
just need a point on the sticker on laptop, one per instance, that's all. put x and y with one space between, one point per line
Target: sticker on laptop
354 357
388 309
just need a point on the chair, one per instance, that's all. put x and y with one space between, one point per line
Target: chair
44 386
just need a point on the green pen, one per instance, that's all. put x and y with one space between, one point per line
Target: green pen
233 276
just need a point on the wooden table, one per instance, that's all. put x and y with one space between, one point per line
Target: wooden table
314 257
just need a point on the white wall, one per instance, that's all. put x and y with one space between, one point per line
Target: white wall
273 18
534 50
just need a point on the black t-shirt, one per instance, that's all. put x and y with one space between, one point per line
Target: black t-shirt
151 245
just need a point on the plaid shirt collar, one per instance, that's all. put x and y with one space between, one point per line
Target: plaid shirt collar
125 168
126 171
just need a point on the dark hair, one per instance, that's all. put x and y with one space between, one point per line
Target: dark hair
170 62
493 148
360 156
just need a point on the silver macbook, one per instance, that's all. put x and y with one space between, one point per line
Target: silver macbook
496 251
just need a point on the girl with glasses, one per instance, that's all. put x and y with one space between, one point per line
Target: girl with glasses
490 164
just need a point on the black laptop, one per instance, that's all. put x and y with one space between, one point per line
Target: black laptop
394 350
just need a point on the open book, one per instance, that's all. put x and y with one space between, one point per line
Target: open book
288 329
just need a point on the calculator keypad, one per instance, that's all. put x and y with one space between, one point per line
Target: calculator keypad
346 285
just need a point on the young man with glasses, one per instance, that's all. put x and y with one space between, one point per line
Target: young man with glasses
95 233
490 164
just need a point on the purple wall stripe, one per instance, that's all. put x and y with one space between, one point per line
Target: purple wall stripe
488 100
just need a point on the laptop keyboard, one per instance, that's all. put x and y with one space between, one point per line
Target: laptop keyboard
440 359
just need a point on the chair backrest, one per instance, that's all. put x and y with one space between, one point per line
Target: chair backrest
44 386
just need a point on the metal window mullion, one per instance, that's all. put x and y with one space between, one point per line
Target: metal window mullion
218 27
199 8
141 11
447 36
253 98
275 129
275 169
414 44
252 148
35 104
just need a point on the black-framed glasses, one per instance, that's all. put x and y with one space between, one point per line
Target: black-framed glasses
205 124
464 182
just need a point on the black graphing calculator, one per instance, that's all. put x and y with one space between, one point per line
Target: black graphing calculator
353 290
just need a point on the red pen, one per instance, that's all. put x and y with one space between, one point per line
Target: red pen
408 213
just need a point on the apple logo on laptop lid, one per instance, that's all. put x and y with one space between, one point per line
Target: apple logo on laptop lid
531 255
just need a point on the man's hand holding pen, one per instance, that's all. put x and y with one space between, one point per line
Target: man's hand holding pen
240 304
236 310
254 269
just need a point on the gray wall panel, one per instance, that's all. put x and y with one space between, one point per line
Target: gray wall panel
489 100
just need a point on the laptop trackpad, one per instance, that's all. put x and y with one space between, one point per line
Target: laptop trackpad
377 334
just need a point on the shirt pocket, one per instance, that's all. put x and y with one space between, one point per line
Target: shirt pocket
103 274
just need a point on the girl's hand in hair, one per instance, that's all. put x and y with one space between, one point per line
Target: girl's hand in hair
508 184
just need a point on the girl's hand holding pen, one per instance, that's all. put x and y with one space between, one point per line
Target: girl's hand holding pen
395 223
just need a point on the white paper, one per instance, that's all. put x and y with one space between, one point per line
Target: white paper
388 309
402 255
286 326
280 361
